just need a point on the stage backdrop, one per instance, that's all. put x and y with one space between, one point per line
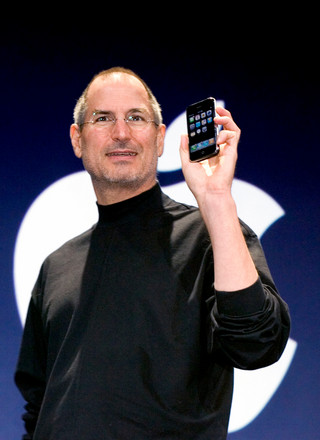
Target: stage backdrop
46 197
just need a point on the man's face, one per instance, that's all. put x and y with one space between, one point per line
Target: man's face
119 155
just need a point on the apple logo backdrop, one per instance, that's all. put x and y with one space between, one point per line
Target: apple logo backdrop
47 198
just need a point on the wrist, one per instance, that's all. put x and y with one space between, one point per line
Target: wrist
217 204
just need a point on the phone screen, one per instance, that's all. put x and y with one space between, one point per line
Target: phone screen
202 130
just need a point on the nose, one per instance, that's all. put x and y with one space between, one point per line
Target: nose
120 130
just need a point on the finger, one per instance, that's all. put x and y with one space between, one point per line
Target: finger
221 111
227 123
227 136
225 119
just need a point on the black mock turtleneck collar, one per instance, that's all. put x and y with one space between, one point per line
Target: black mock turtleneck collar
150 200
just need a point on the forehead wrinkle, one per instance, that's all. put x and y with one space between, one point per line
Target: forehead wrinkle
117 85
132 110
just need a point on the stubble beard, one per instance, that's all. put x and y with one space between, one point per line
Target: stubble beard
123 179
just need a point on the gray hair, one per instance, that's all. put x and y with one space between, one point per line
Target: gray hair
81 106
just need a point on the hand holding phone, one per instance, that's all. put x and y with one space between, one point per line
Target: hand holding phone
202 131
214 175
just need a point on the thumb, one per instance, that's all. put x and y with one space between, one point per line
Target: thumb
184 144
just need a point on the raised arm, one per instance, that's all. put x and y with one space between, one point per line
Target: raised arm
210 182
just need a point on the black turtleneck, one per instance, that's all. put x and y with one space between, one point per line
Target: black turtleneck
126 338
148 201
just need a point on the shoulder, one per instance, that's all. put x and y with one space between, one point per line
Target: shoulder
71 250
189 214
179 209
186 222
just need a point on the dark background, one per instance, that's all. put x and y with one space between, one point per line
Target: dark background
268 77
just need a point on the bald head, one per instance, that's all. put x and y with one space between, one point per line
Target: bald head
117 74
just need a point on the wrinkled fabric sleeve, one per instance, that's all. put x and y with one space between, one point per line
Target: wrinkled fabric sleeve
251 326
30 374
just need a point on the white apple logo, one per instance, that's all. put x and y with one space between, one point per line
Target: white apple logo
68 207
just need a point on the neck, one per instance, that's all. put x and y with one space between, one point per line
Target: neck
115 193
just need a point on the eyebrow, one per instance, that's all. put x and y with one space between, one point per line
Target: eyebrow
101 112
108 112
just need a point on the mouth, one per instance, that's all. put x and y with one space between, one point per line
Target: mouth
121 153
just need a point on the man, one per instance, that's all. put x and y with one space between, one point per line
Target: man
134 327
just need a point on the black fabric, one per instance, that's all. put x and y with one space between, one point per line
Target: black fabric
126 338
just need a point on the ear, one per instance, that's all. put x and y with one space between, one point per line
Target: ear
75 136
160 139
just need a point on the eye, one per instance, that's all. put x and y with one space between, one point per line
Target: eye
136 118
102 119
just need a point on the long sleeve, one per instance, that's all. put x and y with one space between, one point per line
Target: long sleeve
30 372
251 326
116 333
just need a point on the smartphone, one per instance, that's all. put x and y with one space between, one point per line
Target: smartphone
202 130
